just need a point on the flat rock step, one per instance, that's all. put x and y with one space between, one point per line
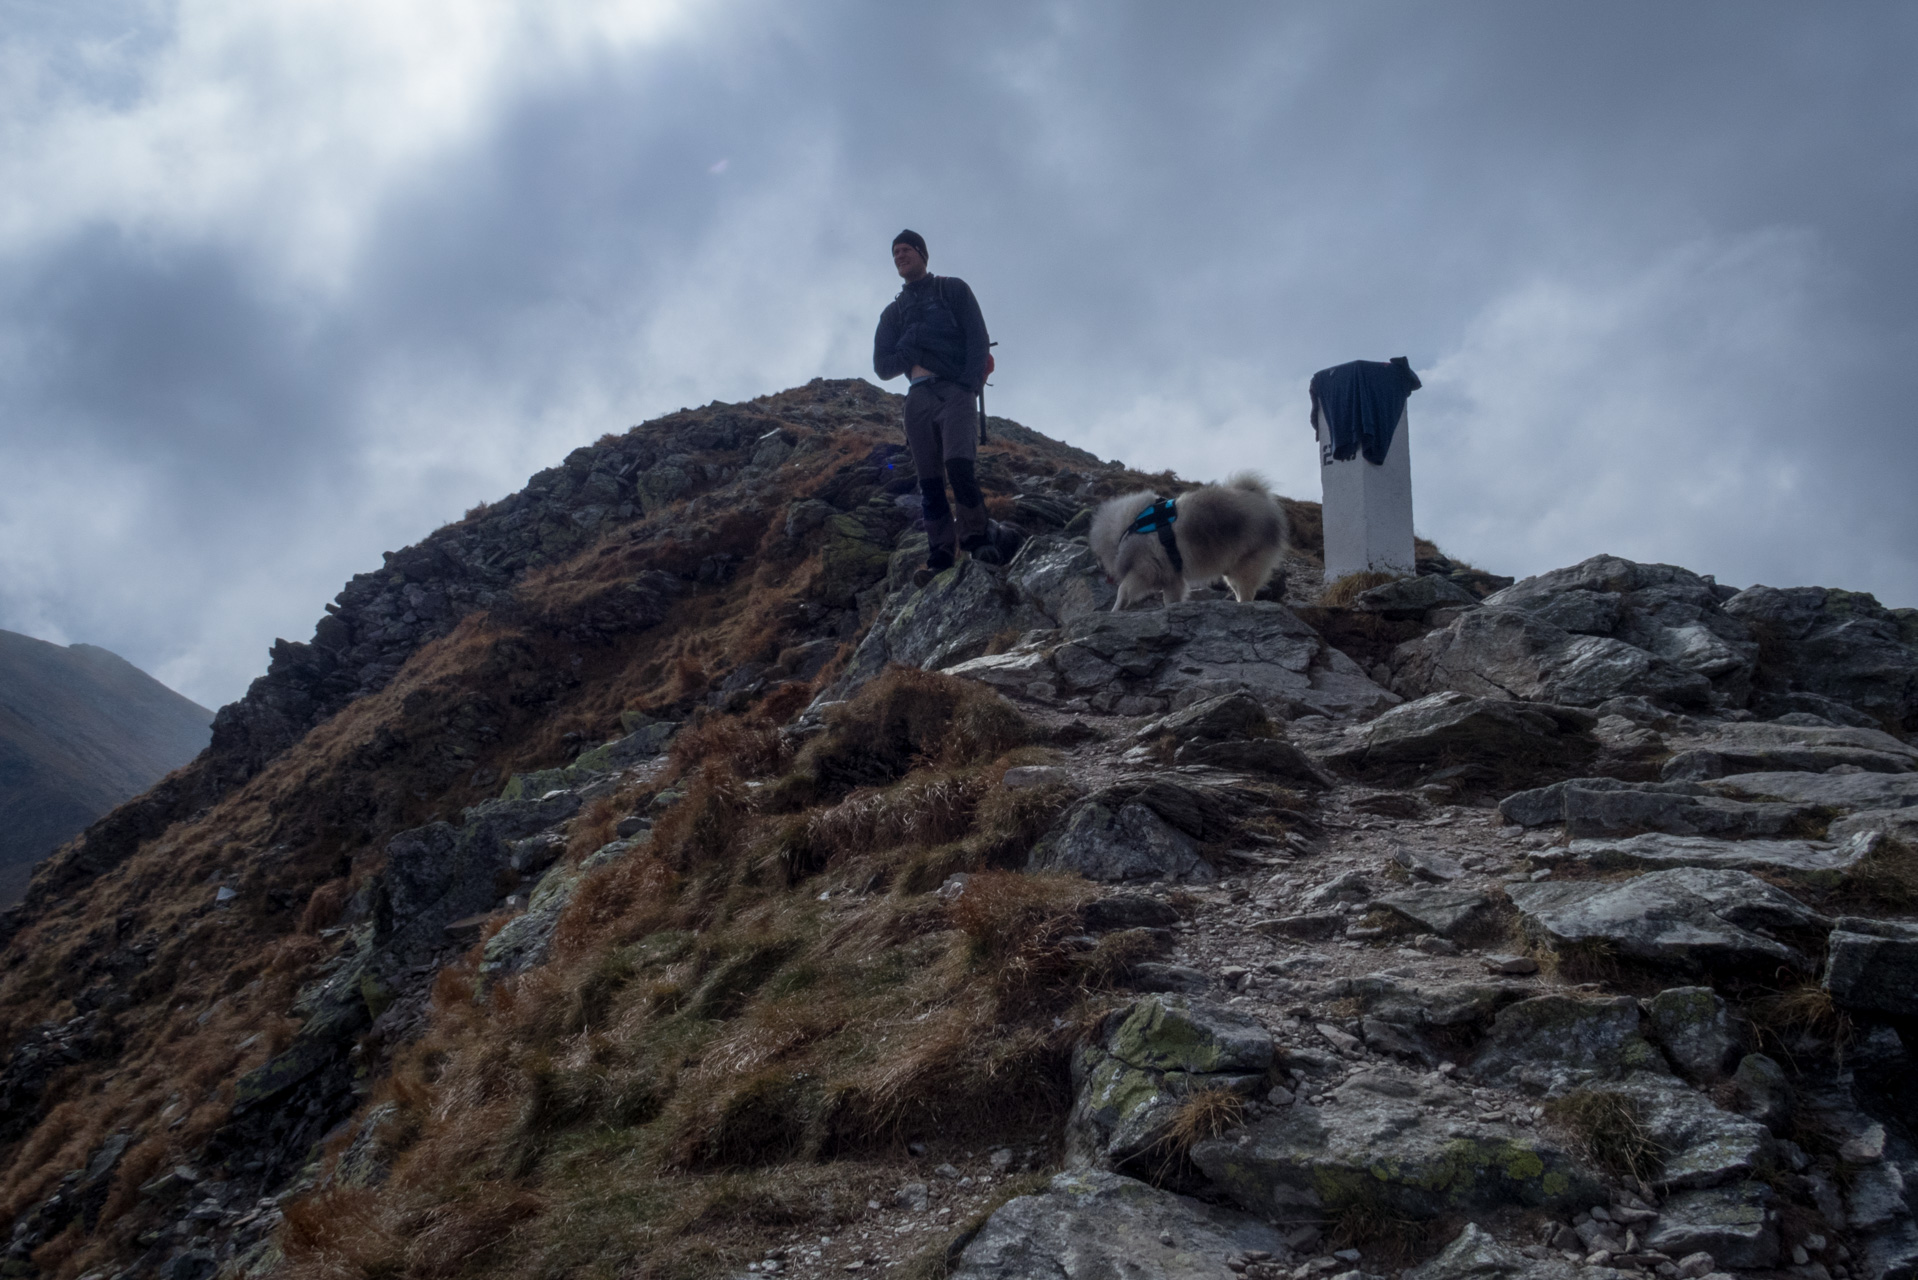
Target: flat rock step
1093 1225
1686 918
1846 791
1814 861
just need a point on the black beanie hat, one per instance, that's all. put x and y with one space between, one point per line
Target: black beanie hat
914 239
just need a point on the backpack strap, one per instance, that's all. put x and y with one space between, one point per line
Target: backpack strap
1159 518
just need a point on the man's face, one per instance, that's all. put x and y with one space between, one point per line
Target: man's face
906 258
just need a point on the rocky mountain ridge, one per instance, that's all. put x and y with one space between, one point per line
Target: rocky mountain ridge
649 880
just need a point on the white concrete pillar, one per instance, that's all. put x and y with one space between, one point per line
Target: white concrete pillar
1368 509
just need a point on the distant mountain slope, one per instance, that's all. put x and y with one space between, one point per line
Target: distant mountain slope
81 729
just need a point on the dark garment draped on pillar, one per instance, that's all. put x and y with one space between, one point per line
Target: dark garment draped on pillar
1363 401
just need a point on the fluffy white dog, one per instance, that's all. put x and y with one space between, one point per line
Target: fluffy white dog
1235 530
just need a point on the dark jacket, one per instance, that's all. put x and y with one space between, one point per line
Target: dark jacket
1362 402
935 323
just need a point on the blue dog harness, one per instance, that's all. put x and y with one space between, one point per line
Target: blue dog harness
1158 518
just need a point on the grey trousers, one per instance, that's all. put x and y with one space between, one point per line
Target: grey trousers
942 429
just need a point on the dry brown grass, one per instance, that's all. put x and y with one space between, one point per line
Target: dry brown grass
1610 1128
1783 1019
1342 592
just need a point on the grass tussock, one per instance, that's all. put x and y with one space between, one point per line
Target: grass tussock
1610 1128
1386 1237
1342 592
904 719
1886 879
1785 1021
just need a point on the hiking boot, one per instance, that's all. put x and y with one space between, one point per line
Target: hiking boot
934 566
987 554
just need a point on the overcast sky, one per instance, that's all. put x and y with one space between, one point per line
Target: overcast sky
285 285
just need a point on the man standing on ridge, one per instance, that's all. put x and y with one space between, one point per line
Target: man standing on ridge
933 333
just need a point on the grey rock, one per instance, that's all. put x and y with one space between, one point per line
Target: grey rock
1098 1226
1311 924
1150 661
1899 824
1475 1255
1495 652
1698 1031
1444 728
1839 645
1064 576
1889 1253
1126 911
1761 747
1120 841
1626 811
1705 1146
1871 966
1552 1043
1844 791
1815 862
1266 757
1875 1196
1347 886
1732 1224
1428 865
1437 909
1157 975
1130 1080
1413 597
1377 1151
1510 965
1226 717
950 620
1543 806
1687 918
1764 1091
1034 775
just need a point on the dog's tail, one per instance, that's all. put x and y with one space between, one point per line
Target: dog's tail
1250 481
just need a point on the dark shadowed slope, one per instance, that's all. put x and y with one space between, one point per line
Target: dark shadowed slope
81 729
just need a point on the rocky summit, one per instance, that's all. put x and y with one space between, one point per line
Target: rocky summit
642 877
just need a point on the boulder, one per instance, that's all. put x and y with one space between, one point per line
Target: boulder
1505 653
1266 757
1436 909
1475 1255
1703 1145
1130 1080
1625 811
1551 1043
1687 918
1760 747
1229 716
1838 645
955 617
1413 598
1698 1031
1898 824
1733 1224
1150 661
1871 966
1542 806
1115 841
1380 1148
1764 1091
1445 729
1842 791
1814 862
1092 1225
1126 911
1064 576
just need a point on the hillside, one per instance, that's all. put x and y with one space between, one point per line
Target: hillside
81 730
641 877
